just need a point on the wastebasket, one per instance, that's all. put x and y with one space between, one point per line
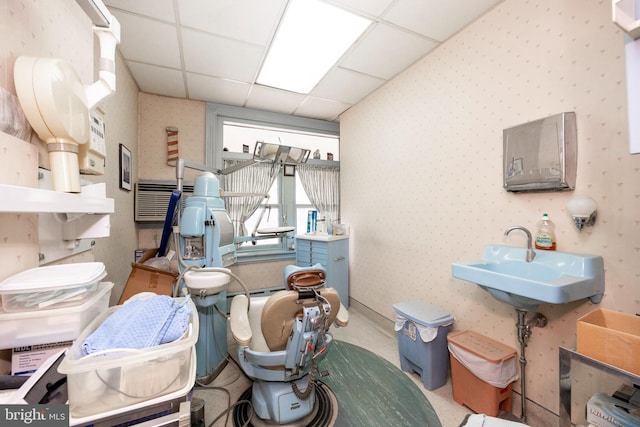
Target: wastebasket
482 372
422 331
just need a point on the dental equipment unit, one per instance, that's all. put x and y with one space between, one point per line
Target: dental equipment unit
57 104
206 244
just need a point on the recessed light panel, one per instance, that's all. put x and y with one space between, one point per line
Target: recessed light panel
311 38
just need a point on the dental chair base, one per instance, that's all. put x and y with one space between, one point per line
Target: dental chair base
283 387
277 401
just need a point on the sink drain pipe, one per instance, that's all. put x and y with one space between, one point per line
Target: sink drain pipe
525 326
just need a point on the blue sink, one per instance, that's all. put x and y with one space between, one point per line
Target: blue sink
552 277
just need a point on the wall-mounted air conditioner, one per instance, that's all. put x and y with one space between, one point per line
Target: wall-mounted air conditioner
152 199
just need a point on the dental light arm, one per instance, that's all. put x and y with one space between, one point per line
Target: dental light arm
107 28
106 84
182 163
97 12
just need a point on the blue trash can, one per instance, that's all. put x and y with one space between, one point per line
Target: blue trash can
422 341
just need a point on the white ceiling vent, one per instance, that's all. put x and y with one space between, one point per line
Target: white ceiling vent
152 199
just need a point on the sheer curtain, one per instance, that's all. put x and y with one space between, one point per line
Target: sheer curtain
322 185
256 178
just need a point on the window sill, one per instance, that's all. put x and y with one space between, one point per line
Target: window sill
258 258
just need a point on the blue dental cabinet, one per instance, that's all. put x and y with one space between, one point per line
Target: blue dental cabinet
333 253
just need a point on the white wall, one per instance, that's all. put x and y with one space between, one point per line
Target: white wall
422 170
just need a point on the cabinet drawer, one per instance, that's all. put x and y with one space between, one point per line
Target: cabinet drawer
303 244
319 249
321 258
333 255
303 253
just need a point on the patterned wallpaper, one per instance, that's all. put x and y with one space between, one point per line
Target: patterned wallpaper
436 132
156 113
18 232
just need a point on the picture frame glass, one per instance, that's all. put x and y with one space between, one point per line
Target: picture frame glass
125 168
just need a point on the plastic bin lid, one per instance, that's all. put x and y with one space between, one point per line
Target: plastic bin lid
423 313
55 276
480 345
104 288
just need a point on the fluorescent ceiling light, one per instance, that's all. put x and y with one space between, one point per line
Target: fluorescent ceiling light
310 40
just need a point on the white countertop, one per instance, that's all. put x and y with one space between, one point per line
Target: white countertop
322 237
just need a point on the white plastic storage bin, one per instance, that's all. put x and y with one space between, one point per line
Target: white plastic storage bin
55 325
110 381
137 413
51 287
422 341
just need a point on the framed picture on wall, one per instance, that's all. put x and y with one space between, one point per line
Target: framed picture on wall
125 168
289 170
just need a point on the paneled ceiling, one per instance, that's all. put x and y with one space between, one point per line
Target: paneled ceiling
212 50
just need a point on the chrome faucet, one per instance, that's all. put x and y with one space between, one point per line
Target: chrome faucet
530 252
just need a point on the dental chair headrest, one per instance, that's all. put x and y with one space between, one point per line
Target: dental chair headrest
280 311
304 277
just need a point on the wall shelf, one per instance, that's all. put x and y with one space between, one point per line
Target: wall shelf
67 223
25 199
626 16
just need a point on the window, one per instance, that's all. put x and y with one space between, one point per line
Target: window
231 136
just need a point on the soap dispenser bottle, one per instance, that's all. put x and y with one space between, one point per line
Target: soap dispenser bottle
545 235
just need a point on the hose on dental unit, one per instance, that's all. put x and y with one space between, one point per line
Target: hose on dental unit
186 268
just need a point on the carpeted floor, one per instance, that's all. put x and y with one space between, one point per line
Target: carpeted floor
372 392
369 391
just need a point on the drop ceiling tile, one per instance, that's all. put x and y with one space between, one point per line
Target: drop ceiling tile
207 88
224 42
321 109
280 101
346 85
159 9
437 19
246 20
158 80
220 57
369 7
385 51
146 40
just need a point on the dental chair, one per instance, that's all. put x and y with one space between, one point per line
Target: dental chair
282 338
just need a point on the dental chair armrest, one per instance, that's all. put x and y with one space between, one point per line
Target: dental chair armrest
342 318
239 320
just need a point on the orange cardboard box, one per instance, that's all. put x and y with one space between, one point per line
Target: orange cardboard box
144 278
611 337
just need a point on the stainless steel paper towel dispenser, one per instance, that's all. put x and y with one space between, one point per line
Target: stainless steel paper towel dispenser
541 155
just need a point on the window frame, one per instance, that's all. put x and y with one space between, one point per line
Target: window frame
215 117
